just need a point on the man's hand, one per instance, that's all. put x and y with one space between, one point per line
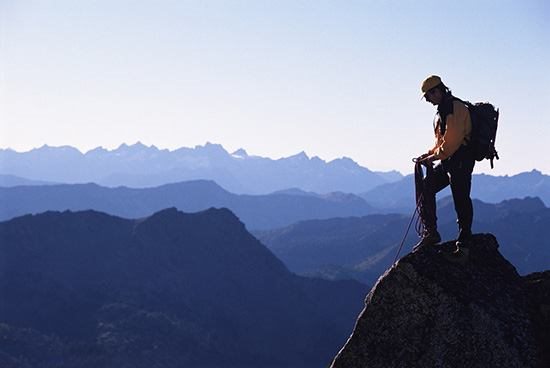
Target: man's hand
426 159
422 157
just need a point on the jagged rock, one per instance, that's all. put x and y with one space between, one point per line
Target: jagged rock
538 293
432 309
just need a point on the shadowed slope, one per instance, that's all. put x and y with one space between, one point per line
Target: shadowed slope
172 289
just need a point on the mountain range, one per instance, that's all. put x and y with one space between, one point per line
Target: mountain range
363 247
256 211
14 181
399 196
87 289
332 236
142 166
125 282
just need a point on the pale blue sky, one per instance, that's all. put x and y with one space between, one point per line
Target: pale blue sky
332 78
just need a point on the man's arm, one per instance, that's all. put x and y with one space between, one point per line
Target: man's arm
458 127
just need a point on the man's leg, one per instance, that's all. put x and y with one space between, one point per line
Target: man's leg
434 181
461 184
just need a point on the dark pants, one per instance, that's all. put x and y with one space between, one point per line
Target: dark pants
457 172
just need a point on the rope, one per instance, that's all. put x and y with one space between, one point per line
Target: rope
419 186
416 210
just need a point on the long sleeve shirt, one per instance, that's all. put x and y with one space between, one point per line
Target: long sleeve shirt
457 132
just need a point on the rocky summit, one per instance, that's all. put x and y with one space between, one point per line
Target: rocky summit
437 309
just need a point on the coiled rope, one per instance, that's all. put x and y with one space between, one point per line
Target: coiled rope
419 188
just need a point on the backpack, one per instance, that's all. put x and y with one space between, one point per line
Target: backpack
484 118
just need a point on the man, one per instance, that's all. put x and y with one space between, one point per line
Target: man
452 127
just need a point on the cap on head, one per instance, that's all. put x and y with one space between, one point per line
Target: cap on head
429 83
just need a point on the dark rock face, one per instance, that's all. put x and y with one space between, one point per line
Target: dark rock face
433 309
538 294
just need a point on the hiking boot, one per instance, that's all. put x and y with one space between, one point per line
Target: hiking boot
428 238
463 239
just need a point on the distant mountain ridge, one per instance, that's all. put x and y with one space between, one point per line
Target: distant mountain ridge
363 247
256 211
86 290
142 166
399 196
14 181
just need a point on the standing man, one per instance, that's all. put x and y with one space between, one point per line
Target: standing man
452 127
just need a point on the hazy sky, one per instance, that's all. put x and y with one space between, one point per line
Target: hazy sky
331 78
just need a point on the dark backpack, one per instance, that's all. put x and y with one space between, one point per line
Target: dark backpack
484 130
484 118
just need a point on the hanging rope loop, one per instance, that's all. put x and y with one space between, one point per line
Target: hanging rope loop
419 188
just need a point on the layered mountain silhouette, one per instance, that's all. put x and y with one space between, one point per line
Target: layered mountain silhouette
434 309
13 181
142 166
147 166
257 212
399 196
363 247
337 248
86 289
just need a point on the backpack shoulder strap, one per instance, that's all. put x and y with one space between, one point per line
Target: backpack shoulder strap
442 111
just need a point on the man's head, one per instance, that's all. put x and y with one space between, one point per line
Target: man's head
433 89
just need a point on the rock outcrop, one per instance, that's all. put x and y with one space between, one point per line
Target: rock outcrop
433 309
